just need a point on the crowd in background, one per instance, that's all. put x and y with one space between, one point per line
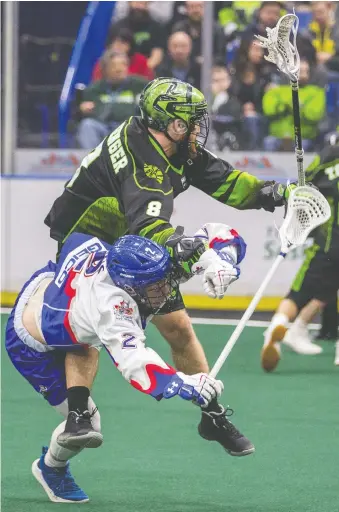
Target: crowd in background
251 101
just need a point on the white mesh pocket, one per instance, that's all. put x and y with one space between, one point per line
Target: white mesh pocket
307 209
281 50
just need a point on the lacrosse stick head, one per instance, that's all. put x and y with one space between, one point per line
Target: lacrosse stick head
307 209
282 46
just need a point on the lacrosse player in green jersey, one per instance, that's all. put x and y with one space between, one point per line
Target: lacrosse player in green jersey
317 280
127 185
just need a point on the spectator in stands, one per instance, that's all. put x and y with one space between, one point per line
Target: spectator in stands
322 31
178 63
123 42
160 11
277 106
251 75
149 37
268 16
192 25
234 17
226 111
108 102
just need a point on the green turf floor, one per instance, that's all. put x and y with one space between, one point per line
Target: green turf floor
152 459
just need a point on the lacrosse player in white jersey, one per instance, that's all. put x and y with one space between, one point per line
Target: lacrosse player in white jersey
102 295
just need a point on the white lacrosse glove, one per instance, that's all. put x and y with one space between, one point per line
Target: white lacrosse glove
219 271
217 278
199 388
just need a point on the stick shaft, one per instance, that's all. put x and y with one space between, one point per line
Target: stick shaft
299 152
244 319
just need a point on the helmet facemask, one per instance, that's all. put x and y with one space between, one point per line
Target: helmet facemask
194 136
198 135
155 296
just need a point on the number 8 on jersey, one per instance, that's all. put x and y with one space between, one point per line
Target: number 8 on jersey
154 208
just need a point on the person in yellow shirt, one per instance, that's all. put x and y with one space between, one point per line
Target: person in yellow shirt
277 107
322 31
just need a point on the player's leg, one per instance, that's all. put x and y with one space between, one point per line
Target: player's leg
329 320
80 368
189 357
275 333
297 337
321 282
44 370
287 311
57 455
52 469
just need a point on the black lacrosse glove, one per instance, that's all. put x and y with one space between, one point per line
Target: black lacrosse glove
184 250
274 194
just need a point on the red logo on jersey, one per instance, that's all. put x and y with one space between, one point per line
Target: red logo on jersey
123 308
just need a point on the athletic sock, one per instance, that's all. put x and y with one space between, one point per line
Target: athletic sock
57 456
299 323
78 399
213 406
279 319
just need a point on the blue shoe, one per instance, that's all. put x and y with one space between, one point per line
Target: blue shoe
57 482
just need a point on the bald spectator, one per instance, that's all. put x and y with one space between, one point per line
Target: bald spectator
149 37
177 63
322 31
192 25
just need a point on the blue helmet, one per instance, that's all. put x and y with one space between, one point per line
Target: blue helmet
135 263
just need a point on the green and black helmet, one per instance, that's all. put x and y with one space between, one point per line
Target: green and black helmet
166 99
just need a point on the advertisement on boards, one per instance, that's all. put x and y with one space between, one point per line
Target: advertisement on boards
48 161
266 166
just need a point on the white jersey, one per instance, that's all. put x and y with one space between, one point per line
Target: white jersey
82 306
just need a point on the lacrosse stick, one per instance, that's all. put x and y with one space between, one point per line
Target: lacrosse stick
307 209
284 53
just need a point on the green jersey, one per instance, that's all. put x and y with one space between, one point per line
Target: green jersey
127 185
323 172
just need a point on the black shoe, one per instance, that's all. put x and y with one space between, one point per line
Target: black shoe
215 426
326 336
79 432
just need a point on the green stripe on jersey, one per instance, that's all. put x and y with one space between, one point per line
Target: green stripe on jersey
310 254
155 232
224 188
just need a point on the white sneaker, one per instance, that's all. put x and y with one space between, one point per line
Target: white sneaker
300 342
271 351
336 357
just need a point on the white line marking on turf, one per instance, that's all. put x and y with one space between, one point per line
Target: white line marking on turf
213 321
228 321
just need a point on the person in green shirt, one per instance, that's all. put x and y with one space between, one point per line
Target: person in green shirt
277 106
108 102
